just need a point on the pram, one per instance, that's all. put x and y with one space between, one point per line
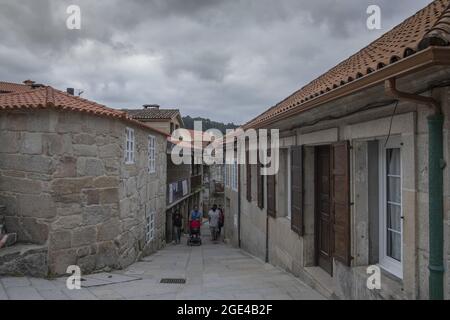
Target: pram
194 233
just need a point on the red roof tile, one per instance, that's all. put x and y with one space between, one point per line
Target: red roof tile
48 97
429 26
8 87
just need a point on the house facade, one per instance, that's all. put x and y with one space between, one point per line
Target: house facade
82 184
184 182
363 181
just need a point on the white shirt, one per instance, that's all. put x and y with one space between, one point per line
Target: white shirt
213 218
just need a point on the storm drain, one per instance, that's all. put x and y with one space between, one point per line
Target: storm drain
173 280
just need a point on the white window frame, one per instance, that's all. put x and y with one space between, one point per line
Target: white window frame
151 154
289 184
150 226
389 264
129 145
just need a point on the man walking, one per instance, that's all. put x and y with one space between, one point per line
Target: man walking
214 216
177 223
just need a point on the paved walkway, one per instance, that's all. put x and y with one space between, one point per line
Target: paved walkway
212 271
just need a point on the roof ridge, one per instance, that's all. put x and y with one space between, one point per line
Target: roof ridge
12 93
14 83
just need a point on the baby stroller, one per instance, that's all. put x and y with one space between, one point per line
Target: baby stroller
194 234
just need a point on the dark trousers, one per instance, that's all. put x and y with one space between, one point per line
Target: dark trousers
177 231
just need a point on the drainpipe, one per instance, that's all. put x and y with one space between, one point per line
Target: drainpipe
436 165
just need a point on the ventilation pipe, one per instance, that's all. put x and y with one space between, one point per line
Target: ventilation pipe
436 166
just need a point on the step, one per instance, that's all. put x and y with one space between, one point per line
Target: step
24 260
319 280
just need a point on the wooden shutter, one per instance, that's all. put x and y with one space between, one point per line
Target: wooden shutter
260 185
248 169
297 189
271 199
340 194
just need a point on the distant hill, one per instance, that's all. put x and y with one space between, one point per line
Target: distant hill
208 124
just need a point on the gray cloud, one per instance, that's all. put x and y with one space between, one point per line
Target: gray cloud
227 60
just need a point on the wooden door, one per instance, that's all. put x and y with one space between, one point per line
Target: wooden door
323 229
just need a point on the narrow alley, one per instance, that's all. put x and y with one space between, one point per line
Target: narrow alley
212 271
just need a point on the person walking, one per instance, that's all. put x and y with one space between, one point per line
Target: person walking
177 224
221 219
213 216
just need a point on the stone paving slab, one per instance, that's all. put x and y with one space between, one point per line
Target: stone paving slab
212 271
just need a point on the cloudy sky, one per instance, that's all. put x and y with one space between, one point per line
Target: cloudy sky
228 60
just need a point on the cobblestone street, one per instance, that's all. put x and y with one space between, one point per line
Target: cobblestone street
212 271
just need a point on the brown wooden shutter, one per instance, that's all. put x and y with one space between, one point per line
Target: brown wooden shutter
297 189
271 199
248 169
260 186
340 189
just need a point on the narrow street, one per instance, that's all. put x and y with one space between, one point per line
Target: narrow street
212 271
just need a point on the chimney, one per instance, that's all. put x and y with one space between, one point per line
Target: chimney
28 82
151 106
71 91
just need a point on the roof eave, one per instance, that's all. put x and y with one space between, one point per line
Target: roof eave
416 62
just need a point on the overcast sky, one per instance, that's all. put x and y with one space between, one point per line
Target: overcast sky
228 60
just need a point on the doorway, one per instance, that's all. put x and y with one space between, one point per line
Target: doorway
323 217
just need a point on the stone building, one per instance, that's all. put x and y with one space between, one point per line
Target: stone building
82 184
184 183
364 175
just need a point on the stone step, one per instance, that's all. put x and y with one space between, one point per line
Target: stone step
24 260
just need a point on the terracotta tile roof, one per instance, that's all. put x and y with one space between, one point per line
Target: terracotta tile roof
153 113
48 97
8 87
429 26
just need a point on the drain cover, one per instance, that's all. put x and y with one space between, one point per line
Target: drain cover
169 280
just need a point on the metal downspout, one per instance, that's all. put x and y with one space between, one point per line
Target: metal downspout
436 165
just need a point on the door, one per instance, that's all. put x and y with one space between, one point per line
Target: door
323 229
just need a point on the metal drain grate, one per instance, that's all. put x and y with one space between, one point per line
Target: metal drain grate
176 281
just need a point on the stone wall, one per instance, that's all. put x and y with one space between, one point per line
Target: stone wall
65 185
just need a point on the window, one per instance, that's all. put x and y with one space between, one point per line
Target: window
151 154
129 146
225 177
150 227
391 216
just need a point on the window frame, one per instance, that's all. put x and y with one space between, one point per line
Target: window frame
151 154
150 226
130 145
386 262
